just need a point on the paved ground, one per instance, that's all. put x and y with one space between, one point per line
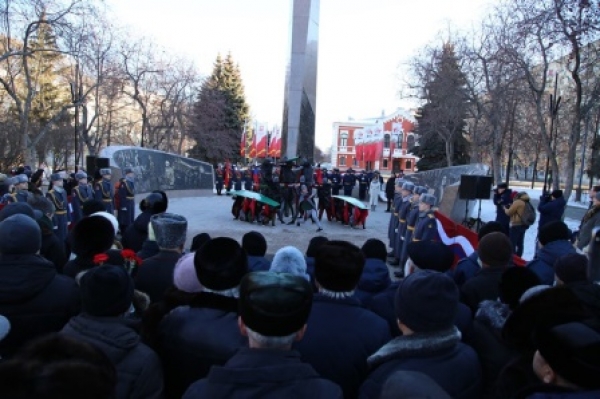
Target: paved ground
209 213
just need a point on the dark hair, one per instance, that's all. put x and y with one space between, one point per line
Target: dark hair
339 265
199 240
254 244
92 206
513 284
596 189
314 244
57 366
490 227
374 248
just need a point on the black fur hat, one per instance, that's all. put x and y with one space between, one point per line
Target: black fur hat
92 235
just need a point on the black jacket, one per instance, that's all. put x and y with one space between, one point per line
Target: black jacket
156 274
485 285
75 266
34 298
389 187
134 236
139 372
193 338
149 249
265 374
52 248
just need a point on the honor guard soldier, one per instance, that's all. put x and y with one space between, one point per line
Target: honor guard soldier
219 181
103 191
237 180
401 211
349 181
21 193
126 193
81 194
248 180
59 198
426 228
411 220
336 179
363 185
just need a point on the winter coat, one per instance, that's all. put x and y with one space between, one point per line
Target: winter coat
502 201
374 190
156 274
136 233
543 262
52 248
551 391
340 335
375 278
139 372
485 285
258 264
383 305
192 339
487 341
465 269
149 249
390 187
550 210
589 295
75 266
440 355
517 209
265 374
590 220
34 298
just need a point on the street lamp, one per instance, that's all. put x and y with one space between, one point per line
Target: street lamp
76 95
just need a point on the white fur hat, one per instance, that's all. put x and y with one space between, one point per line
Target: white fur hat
289 260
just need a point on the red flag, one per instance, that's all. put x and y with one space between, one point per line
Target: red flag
261 141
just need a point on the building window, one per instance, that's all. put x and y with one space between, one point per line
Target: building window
408 164
385 163
343 139
400 139
342 161
386 141
410 142
355 162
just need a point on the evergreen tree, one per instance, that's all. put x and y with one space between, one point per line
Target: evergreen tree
220 114
441 122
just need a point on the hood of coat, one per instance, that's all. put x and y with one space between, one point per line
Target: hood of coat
553 250
112 335
522 196
375 276
23 277
493 314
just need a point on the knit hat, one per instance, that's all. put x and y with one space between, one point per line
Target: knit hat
557 193
495 250
513 284
274 305
408 186
254 244
428 199
55 177
184 275
427 301
338 266
430 255
573 351
289 260
553 231
502 185
22 208
169 230
80 175
111 218
375 249
20 235
92 235
199 240
220 264
106 291
105 171
571 268
488 228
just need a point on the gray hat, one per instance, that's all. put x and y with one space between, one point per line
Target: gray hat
127 170
19 235
289 260
55 177
105 171
80 175
22 178
421 190
408 186
169 229
428 199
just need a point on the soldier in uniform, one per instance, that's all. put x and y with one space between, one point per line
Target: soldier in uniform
426 228
393 222
103 191
349 181
59 198
219 181
21 193
81 194
363 185
336 179
237 180
324 195
248 180
401 213
126 193
411 221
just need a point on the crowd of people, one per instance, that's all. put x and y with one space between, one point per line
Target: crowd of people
132 313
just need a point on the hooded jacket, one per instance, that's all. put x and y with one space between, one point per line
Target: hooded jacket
550 210
52 249
139 372
517 209
543 262
136 233
375 278
34 298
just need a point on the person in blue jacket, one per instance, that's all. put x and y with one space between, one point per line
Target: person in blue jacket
103 190
59 198
554 241
349 181
426 227
80 194
375 277
336 181
502 200
551 208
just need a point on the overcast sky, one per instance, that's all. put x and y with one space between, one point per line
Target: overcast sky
362 44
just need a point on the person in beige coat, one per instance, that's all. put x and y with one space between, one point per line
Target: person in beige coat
517 226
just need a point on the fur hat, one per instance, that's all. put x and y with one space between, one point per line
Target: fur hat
375 249
254 244
21 208
430 255
428 199
169 230
92 206
273 304
495 250
571 268
289 260
80 175
105 171
513 284
427 301
184 275
314 244
408 186
199 240
22 178
20 235
106 291
111 218
92 235
421 190
554 231
55 177
573 352
338 266
220 264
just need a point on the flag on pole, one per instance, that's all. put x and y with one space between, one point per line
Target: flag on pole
261 140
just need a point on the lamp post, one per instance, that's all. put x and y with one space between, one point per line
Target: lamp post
554 105
76 95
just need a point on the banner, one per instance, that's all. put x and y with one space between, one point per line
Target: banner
377 142
261 140
250 143
243 145
359 144
275 145
397 132
368 143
